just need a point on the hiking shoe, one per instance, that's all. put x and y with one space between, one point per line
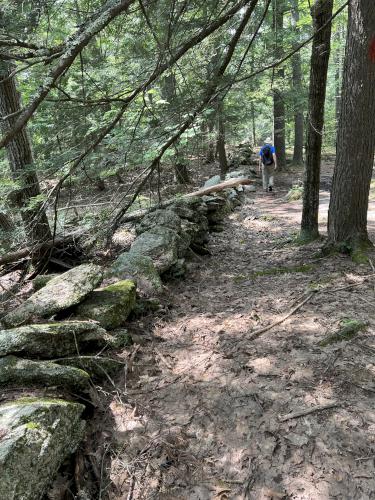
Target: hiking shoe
270 189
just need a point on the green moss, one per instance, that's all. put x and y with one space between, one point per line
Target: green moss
268 218
274 271
305 237
121 286
110 306
295 193
304 268
32 425
348 329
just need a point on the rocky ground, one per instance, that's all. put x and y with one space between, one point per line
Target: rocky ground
203 411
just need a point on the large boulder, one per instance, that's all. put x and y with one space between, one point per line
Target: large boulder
139 268
37 435
62 292
160 244
51 340
165 218
110 306
20 373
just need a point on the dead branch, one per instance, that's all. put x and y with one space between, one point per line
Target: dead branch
257 333
302 413
40 247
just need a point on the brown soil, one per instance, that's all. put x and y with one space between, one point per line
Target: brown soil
198 412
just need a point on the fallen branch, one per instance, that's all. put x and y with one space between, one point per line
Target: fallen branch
302 413
349 286
40 247
257 333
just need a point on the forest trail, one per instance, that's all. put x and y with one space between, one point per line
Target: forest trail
197 415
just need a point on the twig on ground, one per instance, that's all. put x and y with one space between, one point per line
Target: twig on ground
257 333
351 285
131 358
302 413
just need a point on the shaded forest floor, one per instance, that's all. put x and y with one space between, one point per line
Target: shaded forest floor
197 413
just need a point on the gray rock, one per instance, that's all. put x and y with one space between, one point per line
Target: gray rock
37 435
165 218
51 340
109 306
236 174
139 268
20 373
160 244
212 181
66 290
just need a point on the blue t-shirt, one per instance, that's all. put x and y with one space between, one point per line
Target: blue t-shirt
273 150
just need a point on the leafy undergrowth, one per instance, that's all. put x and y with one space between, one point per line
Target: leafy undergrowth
203 412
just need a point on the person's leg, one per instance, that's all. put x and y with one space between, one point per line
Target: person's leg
265 177
270 179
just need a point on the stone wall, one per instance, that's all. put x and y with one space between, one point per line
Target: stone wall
42 356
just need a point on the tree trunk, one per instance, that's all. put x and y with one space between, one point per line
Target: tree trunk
321 12
210 142
338 73
347 217
21 162
223 162
6 223
252 110
278 98
181 173
298 95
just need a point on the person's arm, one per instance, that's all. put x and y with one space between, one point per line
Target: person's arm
260 162
274 157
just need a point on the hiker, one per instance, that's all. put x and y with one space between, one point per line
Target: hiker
268 164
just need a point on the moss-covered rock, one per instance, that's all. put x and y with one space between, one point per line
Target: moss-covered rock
160 244
51 340
166 218
62 292
111 305
37 435
139 268
20 373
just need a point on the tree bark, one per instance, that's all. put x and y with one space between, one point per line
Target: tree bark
223 162
338 73
298 95
321 12
347 217
21 162
278 98
254 134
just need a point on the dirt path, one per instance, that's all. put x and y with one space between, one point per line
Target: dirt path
198 415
